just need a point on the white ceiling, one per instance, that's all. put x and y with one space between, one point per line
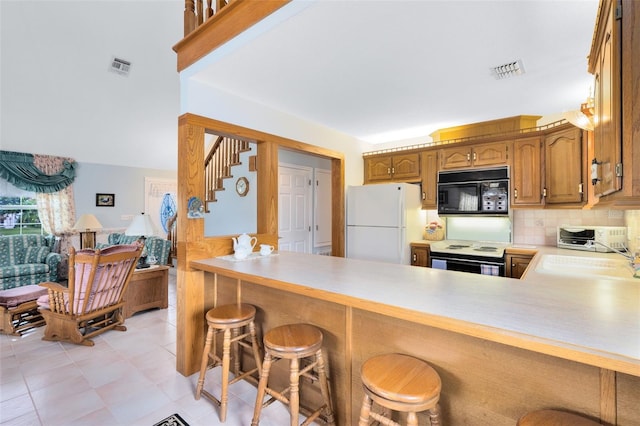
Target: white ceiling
390 70
377 70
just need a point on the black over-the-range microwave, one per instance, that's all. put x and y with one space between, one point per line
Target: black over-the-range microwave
474 192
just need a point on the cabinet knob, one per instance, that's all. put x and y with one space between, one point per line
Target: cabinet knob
515 193
544 192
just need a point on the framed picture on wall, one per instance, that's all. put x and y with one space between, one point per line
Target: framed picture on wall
105 200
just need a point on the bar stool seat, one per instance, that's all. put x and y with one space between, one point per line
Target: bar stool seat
294 342
230 320
554 418
400 383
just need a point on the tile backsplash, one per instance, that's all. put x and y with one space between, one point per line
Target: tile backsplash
539 227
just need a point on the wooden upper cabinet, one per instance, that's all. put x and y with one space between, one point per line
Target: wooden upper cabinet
526 174
429 160
607 100
563 167
481 155
392 168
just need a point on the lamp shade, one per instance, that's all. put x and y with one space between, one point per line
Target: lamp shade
141 225
87 222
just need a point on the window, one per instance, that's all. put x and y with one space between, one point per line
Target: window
19 215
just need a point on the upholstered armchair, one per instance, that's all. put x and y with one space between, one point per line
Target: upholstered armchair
92 303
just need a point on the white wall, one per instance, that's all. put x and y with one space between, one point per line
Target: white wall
233 214
200 99
127 183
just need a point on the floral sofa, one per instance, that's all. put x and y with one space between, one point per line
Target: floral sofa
154 246
27 260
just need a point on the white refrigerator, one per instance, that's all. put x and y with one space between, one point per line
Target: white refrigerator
382 220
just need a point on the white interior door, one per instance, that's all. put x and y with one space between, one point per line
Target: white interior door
294 208
322 209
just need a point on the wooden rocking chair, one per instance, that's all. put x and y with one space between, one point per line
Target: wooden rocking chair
92 303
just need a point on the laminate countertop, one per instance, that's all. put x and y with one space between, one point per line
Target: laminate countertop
595 321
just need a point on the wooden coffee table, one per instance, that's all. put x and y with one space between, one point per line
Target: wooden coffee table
148 288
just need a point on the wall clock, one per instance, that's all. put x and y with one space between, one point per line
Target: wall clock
242 186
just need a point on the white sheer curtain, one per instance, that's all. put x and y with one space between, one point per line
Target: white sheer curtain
57 210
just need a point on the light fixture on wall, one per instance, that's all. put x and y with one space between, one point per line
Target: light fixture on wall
582 118
87 224
143 227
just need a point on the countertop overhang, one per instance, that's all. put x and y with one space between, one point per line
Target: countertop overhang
592 321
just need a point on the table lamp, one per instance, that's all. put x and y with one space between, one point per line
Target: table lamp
87 224
143 226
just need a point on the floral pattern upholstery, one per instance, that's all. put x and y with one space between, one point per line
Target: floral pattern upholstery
27 260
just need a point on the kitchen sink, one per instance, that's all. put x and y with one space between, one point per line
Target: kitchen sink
585 266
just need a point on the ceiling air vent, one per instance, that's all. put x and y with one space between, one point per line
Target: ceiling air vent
511 69
120 66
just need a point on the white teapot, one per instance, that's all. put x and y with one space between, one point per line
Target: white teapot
244 243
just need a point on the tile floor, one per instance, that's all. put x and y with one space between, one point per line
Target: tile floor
127 378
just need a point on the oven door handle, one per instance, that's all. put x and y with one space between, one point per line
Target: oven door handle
457 259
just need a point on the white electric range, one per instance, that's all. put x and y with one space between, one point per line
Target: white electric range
473 245
479 257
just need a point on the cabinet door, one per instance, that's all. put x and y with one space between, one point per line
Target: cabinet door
492 154
608 138
455 158
517 264
429 166
377 169
405 167
563 166
526 176
420 256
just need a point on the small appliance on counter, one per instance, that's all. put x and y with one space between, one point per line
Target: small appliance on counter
592 238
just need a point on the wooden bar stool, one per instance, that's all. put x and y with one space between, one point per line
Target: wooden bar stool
400 383
554 418
294 342
231 320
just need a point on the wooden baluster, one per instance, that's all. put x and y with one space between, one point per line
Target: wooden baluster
199 12
220 4
209 11
189 17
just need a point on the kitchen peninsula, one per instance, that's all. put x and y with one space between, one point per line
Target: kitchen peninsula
502 346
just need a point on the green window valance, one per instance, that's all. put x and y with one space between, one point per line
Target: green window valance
18 168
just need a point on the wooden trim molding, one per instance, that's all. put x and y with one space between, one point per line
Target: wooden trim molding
233 19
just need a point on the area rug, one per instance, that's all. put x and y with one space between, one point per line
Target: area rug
172 420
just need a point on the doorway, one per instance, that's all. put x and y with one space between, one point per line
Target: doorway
294 207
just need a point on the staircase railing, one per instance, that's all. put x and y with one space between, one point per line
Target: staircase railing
223 154
196 14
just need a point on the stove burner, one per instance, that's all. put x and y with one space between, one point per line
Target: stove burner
485 248
457 246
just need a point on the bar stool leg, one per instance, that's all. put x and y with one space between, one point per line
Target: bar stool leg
324 388
205 361
294 393
256 348
262 385
412 419
226 354
365 410
434 415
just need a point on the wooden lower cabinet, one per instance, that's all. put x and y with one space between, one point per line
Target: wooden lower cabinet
516 264
483 382
420 255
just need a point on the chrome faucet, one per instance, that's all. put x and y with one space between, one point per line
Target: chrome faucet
626 253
